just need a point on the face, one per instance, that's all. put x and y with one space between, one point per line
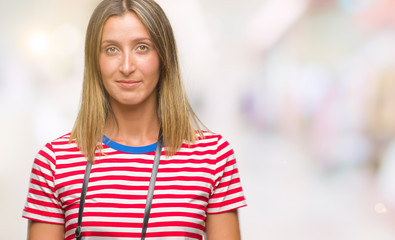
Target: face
129 63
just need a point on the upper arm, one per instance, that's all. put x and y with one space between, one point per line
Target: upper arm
42 202
223 226
44 231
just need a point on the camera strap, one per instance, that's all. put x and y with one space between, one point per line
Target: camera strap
150 193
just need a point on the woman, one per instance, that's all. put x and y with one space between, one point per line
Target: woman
132 93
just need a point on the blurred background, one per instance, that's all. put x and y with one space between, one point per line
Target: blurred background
304 90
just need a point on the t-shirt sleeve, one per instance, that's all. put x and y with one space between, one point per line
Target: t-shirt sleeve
42 202
228 193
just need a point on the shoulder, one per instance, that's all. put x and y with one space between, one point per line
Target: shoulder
207 136
59 151
213 137
61 141
58 144
210 140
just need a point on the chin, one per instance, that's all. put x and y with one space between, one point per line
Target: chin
129 103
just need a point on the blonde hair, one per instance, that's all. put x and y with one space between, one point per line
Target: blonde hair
178 121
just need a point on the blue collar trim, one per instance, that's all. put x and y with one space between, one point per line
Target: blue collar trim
129 149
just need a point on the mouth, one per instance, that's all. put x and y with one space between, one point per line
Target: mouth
128 83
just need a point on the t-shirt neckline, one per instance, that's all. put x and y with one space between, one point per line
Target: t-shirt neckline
129 149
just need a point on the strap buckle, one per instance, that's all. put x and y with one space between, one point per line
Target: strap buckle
78 232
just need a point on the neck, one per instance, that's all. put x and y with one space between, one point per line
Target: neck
133 125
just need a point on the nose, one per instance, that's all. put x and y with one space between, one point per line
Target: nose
127 65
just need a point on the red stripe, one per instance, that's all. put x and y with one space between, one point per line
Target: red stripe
177 214
117 196
137 215
71 174
111 234
216 137
227 202
228 183
40 193
123 160
173 234
111 214
119 177
185 169
46 155
62 142
142 197
41 174
187 161
199 145
225 155
135 188
44 213
68 156
180 196
183 188
109 205
178 205
43 203
69 149
74 182
112 152
197 153
40 184
228 164
227 193
66 164
43 165
185 179
222 145
101 178
230 172
123 169
175 224
113 224
117 187
141 206
137 234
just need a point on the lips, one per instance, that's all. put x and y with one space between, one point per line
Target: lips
128 83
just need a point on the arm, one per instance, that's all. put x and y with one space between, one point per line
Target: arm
223 226
44 231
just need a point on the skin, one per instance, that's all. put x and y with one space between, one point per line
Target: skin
223 226
44 231
130 69
218 227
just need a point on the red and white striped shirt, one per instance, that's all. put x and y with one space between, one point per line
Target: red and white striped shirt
198 180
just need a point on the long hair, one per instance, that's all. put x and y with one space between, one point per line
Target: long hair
178 121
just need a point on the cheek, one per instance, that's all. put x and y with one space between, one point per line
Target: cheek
152 67
102 66
106 67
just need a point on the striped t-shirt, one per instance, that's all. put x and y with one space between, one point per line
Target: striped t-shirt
199 179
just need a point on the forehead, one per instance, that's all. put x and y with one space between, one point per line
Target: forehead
125 26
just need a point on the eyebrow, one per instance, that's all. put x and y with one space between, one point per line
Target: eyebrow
134 40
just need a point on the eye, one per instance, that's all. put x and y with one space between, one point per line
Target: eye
142 48
111 50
